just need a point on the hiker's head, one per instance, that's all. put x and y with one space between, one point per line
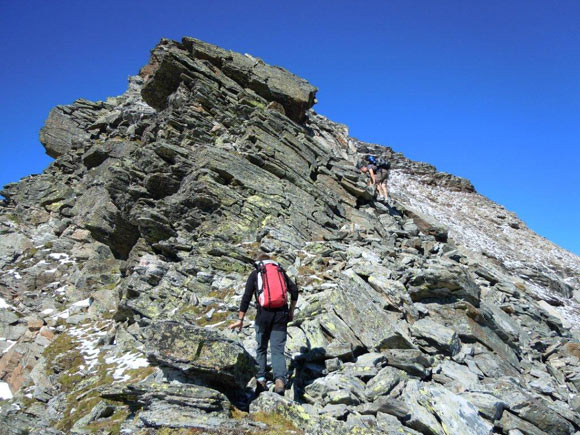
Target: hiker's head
264 257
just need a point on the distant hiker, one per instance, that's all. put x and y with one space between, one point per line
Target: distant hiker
270 284
378 170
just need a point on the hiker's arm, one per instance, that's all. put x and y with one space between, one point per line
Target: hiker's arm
372 174
291 312
293 289
249 291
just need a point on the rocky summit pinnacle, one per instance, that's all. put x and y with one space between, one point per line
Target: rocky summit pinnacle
124 262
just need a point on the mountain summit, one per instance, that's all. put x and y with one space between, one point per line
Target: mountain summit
124 262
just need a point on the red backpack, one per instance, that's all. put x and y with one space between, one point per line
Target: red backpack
272 291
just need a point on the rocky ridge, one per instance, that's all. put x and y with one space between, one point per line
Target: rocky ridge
125 260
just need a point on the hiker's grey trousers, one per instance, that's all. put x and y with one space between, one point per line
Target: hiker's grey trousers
277 339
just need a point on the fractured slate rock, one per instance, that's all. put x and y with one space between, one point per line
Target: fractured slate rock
488 405
431 333
271 403
443 281
200 352
413 361
384 382
455 377
336 388
386 405
456 414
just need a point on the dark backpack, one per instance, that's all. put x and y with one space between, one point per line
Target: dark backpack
379 162
272 287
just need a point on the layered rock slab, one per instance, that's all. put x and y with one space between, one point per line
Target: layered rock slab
200 353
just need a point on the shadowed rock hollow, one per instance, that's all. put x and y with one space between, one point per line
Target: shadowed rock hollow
125 260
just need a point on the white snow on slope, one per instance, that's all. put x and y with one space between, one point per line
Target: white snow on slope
88 338
4 304
125 362
5 393
488 229
90 349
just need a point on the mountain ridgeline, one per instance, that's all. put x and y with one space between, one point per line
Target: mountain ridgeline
124 262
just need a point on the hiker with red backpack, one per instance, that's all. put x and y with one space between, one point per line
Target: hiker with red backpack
270 284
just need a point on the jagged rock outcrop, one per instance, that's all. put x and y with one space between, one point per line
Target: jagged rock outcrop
125 260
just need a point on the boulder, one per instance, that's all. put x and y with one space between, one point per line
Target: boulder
336 388
420 419
201 353
538 412
428 226
456 414
510 423
412 361
60 133
455 377
391 425
437 336
487 404
443 281
386 405
383 382
274 404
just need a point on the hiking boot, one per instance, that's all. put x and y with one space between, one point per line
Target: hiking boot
279 387
260 387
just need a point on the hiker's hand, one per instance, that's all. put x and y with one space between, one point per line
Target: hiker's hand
239 324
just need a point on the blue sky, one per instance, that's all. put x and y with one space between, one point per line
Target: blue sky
488 90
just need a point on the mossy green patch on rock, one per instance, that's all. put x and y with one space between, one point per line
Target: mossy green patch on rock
82 400
62 354
222 294
199 314
277 423
110 425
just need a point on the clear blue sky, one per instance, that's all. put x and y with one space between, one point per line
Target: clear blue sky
488 90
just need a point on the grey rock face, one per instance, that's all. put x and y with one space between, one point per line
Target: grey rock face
124 262
433 334
170 60
443 281
383 382
201 353
61 131
455 413
335 389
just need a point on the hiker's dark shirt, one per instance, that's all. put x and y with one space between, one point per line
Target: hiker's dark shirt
278 316
376 168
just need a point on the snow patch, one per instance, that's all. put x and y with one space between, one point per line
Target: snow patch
5 305
88 340
85 303
5 392
61 257
14 274
124 363
10 345
62 315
